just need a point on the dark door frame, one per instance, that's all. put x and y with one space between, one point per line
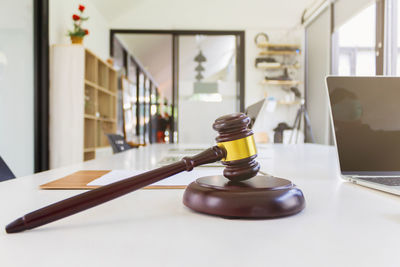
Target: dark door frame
240 60
41 84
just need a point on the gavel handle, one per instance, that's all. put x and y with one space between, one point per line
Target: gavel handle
103 194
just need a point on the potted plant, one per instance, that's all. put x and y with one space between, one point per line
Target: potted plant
78 33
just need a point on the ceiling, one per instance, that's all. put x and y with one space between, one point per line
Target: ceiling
277 14
112 9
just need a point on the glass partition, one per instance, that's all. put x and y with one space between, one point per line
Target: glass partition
354 53
207 84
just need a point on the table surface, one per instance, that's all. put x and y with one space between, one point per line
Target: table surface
342 225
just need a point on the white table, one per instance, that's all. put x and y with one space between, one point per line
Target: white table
342 225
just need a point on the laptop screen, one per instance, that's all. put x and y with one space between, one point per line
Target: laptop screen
253 111
366 119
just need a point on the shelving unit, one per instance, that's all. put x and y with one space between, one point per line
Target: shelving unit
278 46
296 66
280 82
279 64
102 79
268 53
285 52
83 102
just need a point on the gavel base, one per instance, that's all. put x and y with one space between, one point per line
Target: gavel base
258 197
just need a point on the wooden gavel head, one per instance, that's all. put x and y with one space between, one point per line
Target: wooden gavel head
236 138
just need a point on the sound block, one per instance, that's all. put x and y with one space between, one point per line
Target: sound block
258 197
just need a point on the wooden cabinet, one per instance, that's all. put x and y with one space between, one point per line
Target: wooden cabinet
83 103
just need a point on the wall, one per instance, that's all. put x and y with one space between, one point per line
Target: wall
318 58
60 21
16 86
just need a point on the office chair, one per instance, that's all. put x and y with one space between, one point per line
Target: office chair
5 172
118 143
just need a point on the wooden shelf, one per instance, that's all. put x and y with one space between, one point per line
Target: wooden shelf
102 74
104 127
88 51
89 133
90 67
105 104
270 45
104 90
99 59
288 103
90 99
112 77
89 155
105 146
279 67
89 116
106 119
277 53
280 82
91 83
83 80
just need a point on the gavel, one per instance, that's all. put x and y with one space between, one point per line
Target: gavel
235 149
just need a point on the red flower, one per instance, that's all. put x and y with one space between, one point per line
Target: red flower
81 8
86 31
75 17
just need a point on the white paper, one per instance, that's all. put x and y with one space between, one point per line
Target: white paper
172 159
176 154
180 179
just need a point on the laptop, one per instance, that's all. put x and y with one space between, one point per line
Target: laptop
5 172
365 114
253 111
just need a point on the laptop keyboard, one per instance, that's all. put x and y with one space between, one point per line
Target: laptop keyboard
390 181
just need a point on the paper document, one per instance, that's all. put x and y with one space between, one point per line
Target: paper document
172 159
188 150
183 178
176 154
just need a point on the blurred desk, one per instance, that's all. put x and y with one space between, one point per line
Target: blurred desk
342 225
